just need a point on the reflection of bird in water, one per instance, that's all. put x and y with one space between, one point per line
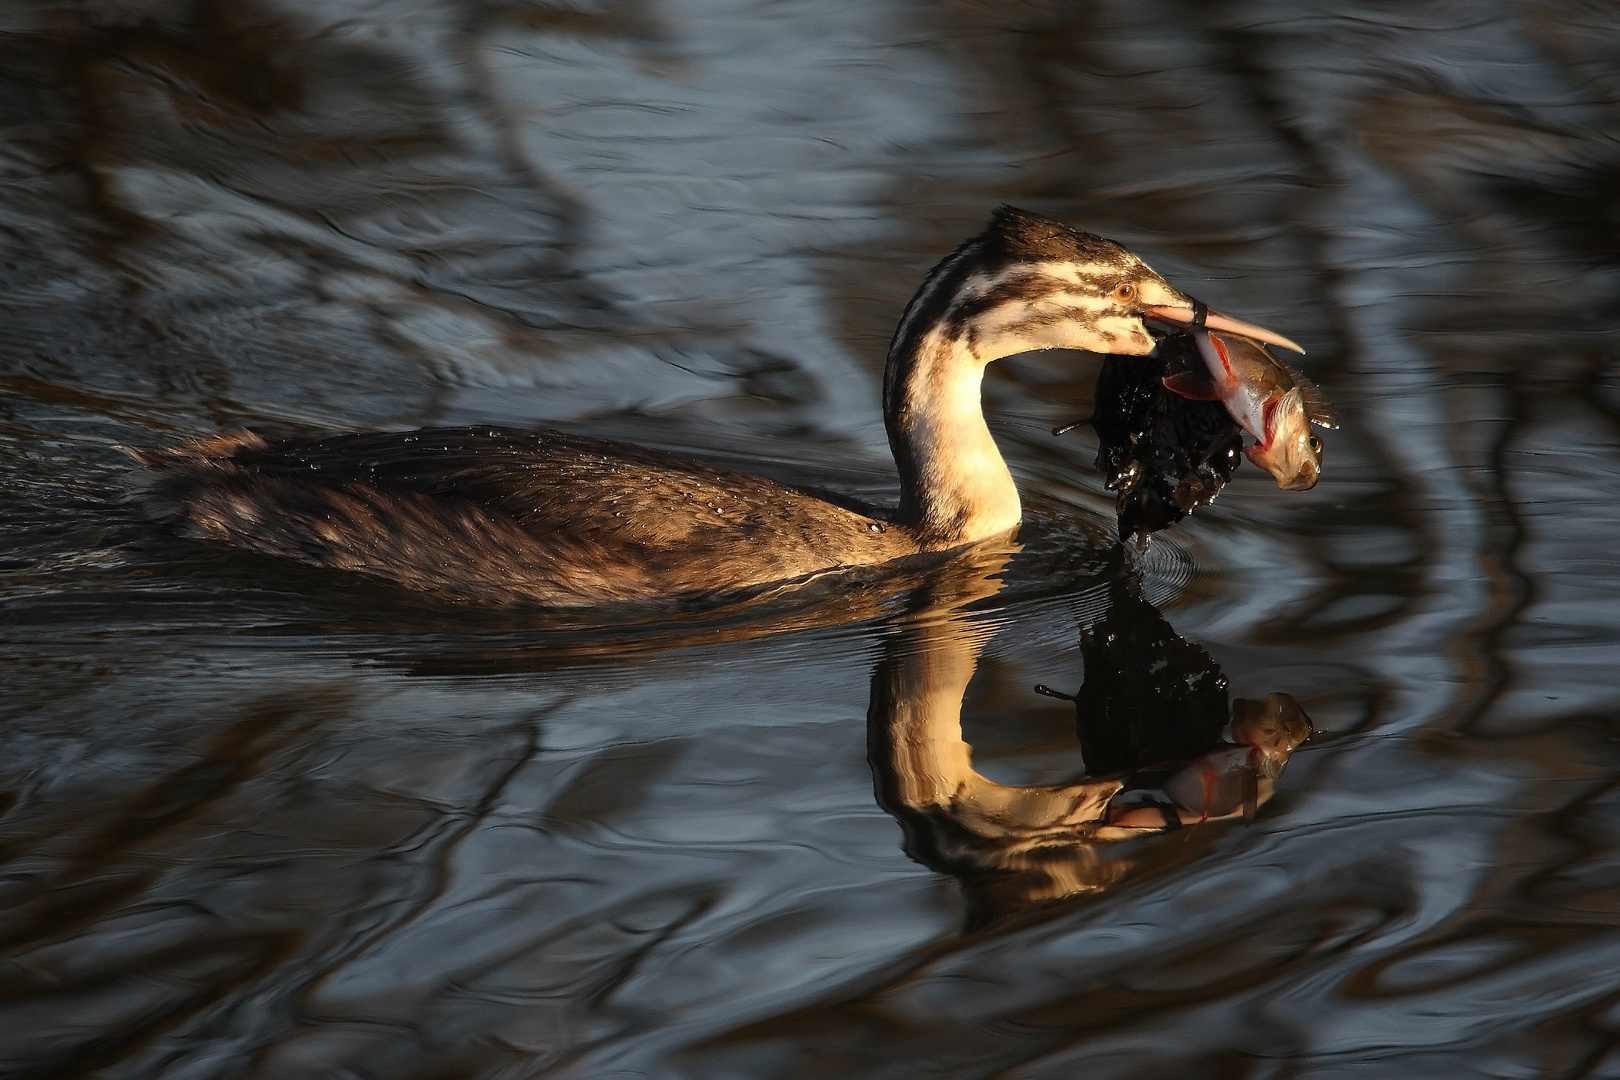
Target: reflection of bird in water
501 515
1161 748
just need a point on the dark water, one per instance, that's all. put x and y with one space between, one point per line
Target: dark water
259 821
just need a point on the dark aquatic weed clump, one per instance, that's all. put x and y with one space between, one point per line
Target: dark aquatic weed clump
1161 454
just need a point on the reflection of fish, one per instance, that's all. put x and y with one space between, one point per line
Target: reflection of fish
1268 399
1271 729
1154 707
1224 782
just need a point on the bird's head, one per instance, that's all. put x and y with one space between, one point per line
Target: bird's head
1027 282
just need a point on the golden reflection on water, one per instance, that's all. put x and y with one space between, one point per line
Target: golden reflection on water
1016 847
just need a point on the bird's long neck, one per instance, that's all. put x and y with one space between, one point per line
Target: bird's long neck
1024 283
954 485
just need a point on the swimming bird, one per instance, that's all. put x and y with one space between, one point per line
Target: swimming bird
502 516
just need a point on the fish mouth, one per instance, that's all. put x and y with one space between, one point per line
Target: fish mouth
1200 317
1302 480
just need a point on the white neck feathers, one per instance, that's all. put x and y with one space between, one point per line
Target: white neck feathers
955 487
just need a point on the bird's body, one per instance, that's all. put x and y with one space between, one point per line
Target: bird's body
503 516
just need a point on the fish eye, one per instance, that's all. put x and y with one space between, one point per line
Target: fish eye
1124 291
1316 444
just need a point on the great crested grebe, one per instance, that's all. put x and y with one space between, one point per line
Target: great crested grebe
498 515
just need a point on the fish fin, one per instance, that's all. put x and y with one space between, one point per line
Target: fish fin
1251 796
1192 386
1317 409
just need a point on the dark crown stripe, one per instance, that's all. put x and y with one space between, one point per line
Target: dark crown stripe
1052 317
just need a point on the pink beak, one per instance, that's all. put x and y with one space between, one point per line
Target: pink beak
1214 320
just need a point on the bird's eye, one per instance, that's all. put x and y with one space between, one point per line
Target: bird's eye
1124 291
1316 444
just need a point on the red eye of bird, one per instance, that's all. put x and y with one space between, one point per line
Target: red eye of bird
1124 291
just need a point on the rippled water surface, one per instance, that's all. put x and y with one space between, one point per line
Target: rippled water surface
262 821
